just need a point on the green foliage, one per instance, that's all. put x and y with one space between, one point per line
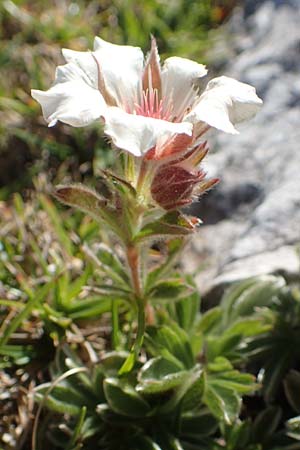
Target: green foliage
227 378
178 399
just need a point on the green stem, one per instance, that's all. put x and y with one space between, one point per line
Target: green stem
133 262
140 328
129 169
135 350
133 258
115 324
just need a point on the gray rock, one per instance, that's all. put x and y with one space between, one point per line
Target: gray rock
252 218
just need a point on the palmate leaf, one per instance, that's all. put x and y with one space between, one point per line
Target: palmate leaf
243 299
223 346
223 403
223 387
172 343
222 372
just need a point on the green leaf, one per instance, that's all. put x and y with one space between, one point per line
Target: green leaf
174 247
171 343
223 403
238 435
75 287
193 397
123 398
111 263
187 311
171 224
223 346
62 399
82 198
90 307
19 354
248 327
292 389
168 441
179 393
57 222
171 290
77 429
266 423
209 320
119 184
222 386
293 427
221 373
37 298
201 422
234 292
256 293
159 375
88 201
112 362
273 373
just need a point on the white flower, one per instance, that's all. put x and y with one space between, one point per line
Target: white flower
143 103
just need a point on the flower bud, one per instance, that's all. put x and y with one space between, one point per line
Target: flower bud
173 186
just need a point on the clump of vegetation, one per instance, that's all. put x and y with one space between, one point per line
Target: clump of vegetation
227 378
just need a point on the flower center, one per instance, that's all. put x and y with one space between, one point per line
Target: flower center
152 105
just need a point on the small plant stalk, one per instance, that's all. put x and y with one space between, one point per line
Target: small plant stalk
133 259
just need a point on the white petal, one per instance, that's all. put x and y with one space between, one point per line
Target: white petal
137 134
84 61
225 102
71 100
178 77
122 68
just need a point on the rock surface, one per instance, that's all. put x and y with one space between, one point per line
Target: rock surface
252 218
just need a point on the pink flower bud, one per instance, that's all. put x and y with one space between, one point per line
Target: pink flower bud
173 186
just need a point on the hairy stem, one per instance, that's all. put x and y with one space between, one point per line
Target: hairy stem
134 265
133 262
